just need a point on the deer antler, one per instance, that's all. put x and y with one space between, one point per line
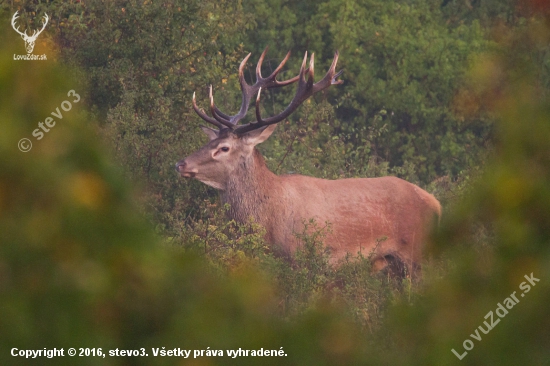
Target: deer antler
15 16
305 89
37 33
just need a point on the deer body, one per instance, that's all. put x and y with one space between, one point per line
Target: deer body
383 217
362 212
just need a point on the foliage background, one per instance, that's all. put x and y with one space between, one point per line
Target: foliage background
451 95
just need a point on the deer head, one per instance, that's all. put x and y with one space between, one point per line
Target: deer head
29 40
232 145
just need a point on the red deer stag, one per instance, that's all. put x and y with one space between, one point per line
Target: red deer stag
387 216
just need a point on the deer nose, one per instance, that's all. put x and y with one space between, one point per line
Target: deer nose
185 170
181 164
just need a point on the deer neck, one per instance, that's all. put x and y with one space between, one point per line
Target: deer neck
250 189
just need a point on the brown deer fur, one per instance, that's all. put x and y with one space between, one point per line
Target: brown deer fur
362 211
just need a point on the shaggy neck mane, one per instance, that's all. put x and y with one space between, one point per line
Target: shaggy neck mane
249 189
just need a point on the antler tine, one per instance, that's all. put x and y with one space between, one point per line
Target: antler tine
214 110
336 76
258 116
43 25
306 88
37 32
259 65
272 83
247 92
311 70
242 81
269 82
303 68
13 19
204 116
276 71
266 83
221 119
330 77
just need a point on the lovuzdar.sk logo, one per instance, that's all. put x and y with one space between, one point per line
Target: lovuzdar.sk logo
29 40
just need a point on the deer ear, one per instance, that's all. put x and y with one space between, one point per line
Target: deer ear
212 134
258 136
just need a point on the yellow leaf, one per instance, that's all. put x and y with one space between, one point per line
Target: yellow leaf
88 189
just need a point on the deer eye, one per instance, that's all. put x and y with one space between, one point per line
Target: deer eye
224 149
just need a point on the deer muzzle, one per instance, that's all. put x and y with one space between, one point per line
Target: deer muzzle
183 168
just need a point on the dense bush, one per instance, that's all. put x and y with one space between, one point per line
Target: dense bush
80 267
512 198
442 93
398 112
403 65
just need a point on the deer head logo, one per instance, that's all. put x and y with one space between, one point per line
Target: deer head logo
29 40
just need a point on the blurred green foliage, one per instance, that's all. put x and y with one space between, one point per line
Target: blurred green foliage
452 95
81 267
511 198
